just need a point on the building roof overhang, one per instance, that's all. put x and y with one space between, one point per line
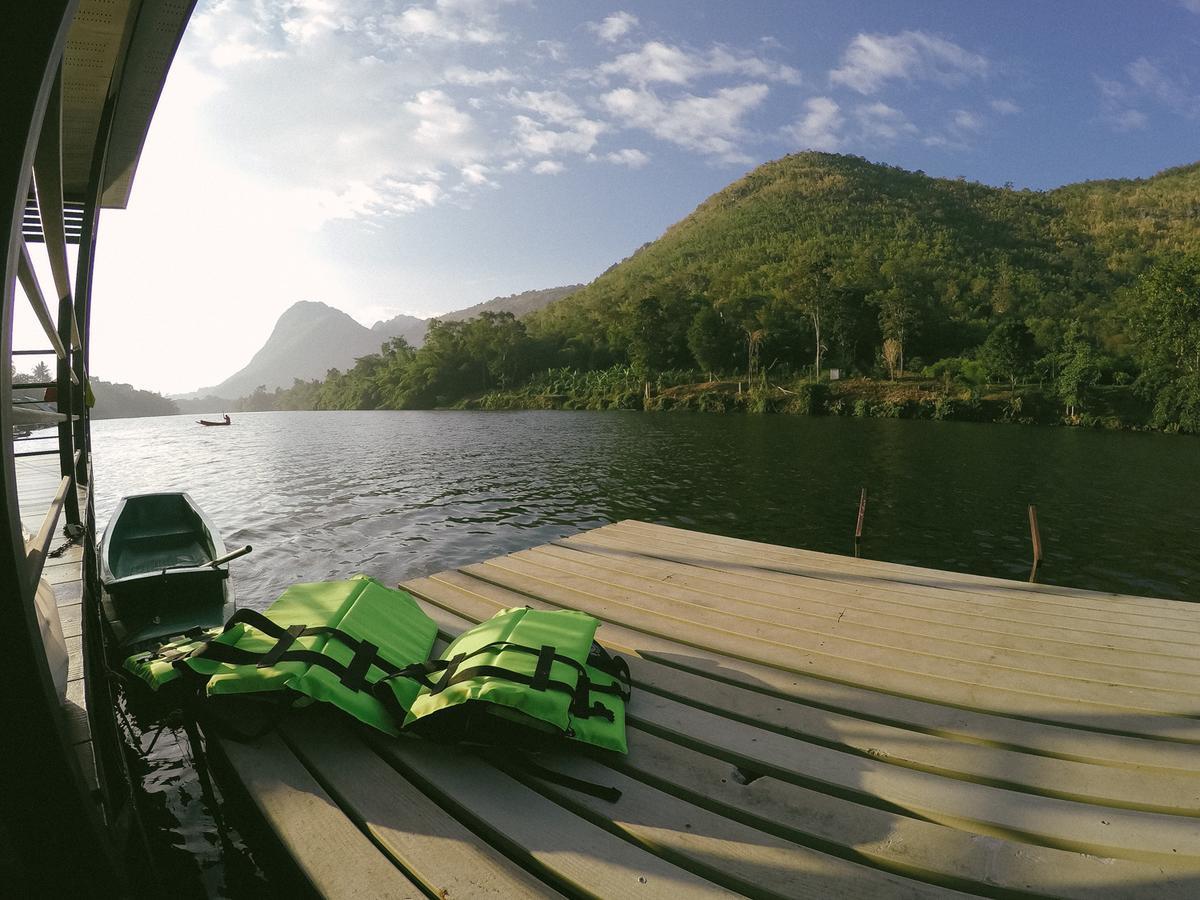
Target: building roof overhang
117 51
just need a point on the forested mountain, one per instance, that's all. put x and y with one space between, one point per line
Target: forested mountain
869 252
413 329
520 305
308 340
311 338
410 328
124 401
819 260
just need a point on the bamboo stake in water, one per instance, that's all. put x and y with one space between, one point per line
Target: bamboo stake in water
1036 537
862 512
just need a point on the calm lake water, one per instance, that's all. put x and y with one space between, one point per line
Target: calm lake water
403 494
323 495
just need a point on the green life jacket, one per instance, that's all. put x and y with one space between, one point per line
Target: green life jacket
520 678
522 674
347 643
156 667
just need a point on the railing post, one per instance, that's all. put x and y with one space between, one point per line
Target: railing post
66 406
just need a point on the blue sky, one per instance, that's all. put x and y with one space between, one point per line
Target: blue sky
390 157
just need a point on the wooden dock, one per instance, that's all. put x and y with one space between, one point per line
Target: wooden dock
802 725
37 480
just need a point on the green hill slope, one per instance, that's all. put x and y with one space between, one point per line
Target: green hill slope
933 263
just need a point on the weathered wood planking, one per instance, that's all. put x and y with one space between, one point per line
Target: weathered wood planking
37 481
803 725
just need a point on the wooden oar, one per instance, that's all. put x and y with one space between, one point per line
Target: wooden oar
241 551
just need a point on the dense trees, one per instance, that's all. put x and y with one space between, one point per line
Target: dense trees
818 260
1008 353
1166 325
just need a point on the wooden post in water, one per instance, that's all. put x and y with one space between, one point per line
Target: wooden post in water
1035 537
862 513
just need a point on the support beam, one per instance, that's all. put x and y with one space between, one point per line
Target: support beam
57 838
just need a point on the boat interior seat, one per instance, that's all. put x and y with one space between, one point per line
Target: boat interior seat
152 533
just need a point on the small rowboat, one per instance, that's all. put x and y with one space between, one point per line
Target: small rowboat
206 422
162 568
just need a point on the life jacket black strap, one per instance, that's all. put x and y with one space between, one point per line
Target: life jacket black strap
453 672
617 667
541 675
460 675
272 656
355 675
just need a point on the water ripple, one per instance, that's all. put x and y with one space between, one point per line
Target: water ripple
398 495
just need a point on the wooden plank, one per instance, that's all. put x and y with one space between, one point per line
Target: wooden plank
432 848
71 619
477 600
878 604
866 630
68 593
576 854
1151 790
896 842
1139 711
338 859
997 591
75 712
743 858
75 657
1084 868
1104 629
983 809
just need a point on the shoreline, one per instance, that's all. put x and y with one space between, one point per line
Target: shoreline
1112 407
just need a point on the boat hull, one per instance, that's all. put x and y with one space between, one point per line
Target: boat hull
153 567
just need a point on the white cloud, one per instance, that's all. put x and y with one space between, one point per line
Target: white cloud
614 27
710 125
554 106
963 120
657 62
548 167
1151 80
555 51
534 139
476 77
439 122
880 122
1128 120
476 175
720 61
820 127
630 156
310 20
1121 101
1005 107
452 21
872 60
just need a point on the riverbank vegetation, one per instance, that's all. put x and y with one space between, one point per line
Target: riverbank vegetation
930 297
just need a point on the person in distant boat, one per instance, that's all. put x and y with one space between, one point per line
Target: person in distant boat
226 418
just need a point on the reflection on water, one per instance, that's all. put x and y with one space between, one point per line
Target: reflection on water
402 494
